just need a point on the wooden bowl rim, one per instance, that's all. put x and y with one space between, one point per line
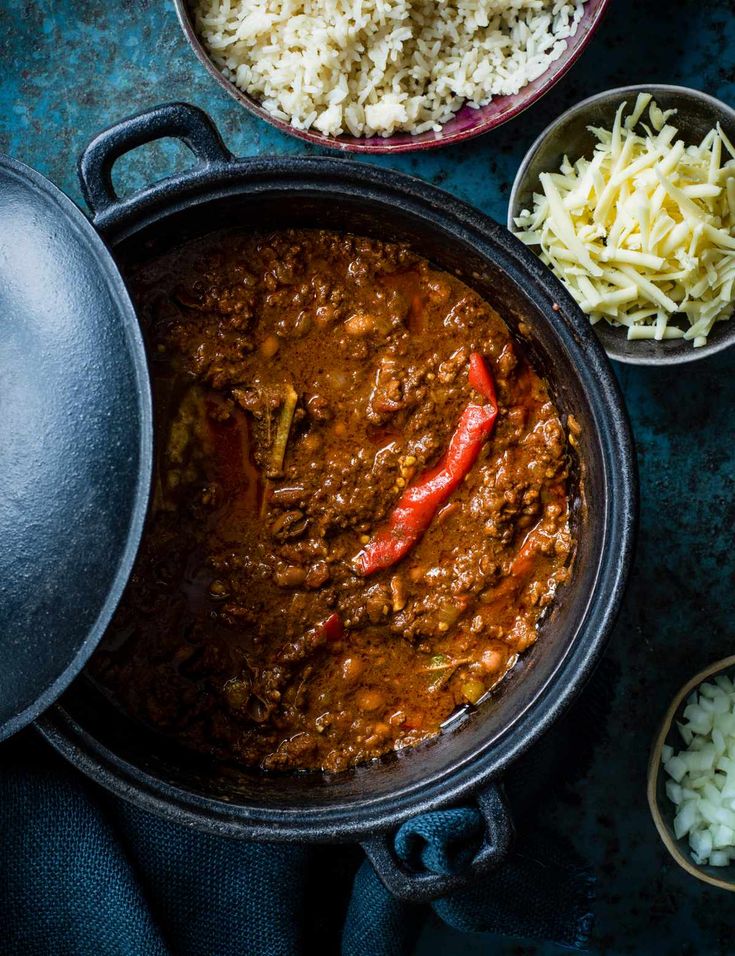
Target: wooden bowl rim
655 767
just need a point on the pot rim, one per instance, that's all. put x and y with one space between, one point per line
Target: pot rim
342 822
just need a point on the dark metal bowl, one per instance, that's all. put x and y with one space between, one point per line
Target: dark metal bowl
465 124
697 114
462 763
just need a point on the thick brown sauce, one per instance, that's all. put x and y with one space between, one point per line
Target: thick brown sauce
218 639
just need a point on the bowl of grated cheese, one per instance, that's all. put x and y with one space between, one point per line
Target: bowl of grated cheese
629 197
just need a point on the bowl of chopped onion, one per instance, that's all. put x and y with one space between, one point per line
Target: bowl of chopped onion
691 776
629 197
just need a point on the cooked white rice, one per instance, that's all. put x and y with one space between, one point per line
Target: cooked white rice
381 66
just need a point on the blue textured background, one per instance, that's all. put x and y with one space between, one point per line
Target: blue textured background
68 68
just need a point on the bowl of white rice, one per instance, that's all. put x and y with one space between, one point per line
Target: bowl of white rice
385 76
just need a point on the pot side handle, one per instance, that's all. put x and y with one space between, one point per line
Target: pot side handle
181 121
424 886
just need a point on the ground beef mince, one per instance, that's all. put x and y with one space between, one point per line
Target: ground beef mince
308 387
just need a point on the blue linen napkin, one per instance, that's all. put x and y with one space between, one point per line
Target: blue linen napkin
87 874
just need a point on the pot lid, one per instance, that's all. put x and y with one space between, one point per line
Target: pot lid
75 441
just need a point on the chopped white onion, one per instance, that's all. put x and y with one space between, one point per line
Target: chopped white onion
702 784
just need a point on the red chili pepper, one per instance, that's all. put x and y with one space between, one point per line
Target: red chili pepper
415 509
326 632
332 629
481 379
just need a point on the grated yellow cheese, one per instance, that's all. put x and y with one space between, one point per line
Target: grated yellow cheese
643 233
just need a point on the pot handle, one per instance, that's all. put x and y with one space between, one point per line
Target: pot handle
416 886
181 121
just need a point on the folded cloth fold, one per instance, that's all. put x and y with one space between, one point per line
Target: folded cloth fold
87 874
443 842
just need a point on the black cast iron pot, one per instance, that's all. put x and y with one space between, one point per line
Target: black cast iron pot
466 761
